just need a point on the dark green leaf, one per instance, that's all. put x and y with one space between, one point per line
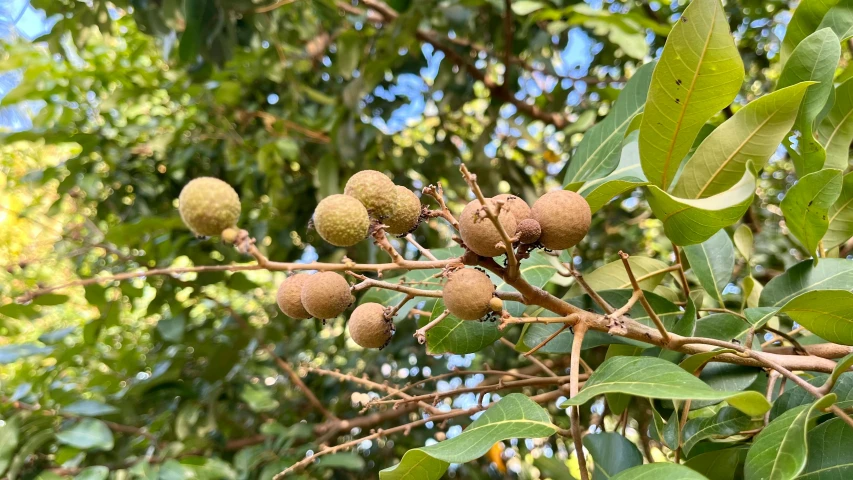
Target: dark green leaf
611 453
830 273
713 262
728 421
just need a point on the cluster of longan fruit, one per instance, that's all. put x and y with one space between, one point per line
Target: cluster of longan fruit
558 220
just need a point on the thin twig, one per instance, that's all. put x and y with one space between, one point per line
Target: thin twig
685 288
294 377
589 290
645 303
420 334
424 251
574 375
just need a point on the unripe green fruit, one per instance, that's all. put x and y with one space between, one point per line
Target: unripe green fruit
468 294
479 233
208 206
341 220
406 212
326 295
368 326
564 217
528 231
289 296
374 190
516 206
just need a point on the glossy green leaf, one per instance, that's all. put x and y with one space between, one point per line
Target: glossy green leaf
806 206
713 262
692 221
779 451
839 19
613 275
700 72
627 176
728 421
806 19
695 362
814 59
830 273
514 416
454 335
656 378
90 408
841 216
827 313
795 395
87 434
658 471
598 153
830 456
752 134
611 454
726 464
842 365
836 130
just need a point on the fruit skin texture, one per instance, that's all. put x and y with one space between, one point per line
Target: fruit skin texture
406 212
564 217
341 220
528 231
289 296
208 206
468 294
516 206
368 326
479 233
326 295
374 190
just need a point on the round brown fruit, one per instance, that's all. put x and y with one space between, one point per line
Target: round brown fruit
528 231
516 206
373 189
468 294
496 304
208 206
326 295
479 233
564 217
406 212
289 296
341 220
369 327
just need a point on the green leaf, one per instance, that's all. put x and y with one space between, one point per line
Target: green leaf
98 472
724 464
611 454
713 262
814 59
526 7
88 434
514 416
830 273
805 20
694 363
700 72
842 366
727 422
840 20
259 398
613 276
349 53
752 134
344 460
744 242
826 313
599 151
454 335
172 328
779 451
89 408
10 434
795 395
656 378
627 176
658 471
198 15
806 206
691 221
836 130
841 215
830 456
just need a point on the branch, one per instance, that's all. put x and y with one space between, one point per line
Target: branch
642 298
574 373
508 34
437 192
294 377
424 251
420 334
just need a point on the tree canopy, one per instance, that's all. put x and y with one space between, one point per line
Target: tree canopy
701 329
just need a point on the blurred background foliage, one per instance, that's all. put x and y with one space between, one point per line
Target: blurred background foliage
109 107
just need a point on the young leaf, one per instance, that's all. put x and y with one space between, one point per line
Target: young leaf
744 241
826 313
814 59
657 471
656 378
806 206
836 130
752 134
841 214
830 456
691 221
611 454
627 176
599 151
779 451
728 421
514 416
713 262
830 273
700 72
